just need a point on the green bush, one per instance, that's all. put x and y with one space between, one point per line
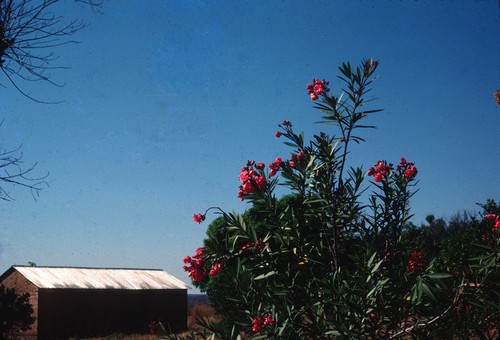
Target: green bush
16 313
337 257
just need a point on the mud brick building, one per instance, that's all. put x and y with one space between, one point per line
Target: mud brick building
89 302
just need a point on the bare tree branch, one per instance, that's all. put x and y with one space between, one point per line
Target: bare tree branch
29 31
12 174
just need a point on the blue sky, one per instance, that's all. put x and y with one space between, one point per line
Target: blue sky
167 100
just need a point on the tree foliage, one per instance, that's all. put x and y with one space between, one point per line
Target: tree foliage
16 312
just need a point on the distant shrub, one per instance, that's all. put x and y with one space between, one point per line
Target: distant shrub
16 313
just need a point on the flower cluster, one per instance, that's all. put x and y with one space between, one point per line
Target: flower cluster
407 168
195 266
261 322
296 159
495 218
380 170
416 261
252 177
198 218
275 166
260 244
496 94
317 87
215 269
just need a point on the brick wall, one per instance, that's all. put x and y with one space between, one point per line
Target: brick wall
22 285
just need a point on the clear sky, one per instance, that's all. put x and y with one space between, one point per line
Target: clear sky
167 100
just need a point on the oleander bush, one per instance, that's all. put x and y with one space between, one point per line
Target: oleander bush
337 256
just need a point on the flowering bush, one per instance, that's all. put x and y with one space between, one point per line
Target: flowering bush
332 257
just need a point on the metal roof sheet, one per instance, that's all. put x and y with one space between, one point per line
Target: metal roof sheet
100 278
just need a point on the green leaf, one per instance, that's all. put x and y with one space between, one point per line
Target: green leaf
377 265
436 276
428 292
264 276
370 261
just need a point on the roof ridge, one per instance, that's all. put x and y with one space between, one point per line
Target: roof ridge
77 267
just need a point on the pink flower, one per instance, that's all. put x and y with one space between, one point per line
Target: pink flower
198 218
248 188
244 176
316 88
261 181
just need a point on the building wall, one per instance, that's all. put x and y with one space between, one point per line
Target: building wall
18 282
65 313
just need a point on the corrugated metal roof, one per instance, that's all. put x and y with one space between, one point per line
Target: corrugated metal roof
100 278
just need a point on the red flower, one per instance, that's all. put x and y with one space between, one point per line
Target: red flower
379 171
268 321
252 176
416 261
199 252
407 168
261 322
195 268
410 172
277 134
490 217
215 269
296 159
247 246
493 217
260 244
496 94
257 324
198 218
275 166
